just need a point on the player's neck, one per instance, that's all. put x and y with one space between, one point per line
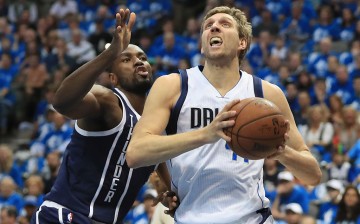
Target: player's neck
222 77
137 101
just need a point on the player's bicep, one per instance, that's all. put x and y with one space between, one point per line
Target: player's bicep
275 94
88 106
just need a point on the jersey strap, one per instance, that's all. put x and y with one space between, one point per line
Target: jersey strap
172 125
258 87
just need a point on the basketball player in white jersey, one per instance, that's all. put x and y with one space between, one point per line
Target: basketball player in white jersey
214 185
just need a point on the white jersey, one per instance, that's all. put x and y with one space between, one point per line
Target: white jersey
214 185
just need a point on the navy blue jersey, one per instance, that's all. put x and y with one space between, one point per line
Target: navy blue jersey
94 178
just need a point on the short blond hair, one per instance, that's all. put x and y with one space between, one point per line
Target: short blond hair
243 26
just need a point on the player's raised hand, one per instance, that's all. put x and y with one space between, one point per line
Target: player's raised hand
125 21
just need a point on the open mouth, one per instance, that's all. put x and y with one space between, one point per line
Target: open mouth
215 41
142 71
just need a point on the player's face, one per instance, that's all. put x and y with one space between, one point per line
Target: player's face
220 37
133 70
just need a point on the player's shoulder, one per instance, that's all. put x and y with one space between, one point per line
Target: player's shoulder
270 88
103 94
168 81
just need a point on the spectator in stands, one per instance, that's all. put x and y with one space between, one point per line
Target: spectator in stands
8 71
8 166
326 26
18 7
294 213
342 85
291 93
329 206
304 81
80 49
301 114
319 93
270 73
296 28
99 37
288 192
318 132
267 23
349 206
295 64
271 172
9 195
336 106
61 8
59 62
169 54
355 96
280 49
4 8
347 24
349 130
34 186
34 76
259 52
191 35
50 170
54 140
8 215
318 61
354 157
30 205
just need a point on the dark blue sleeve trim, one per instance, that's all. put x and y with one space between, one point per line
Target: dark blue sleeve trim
172 125
258 87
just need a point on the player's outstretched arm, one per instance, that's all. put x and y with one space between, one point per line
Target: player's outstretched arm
296 156
74 98
148 146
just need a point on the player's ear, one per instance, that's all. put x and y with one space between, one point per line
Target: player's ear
242 44
113 79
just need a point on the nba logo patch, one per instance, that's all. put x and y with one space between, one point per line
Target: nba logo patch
70 217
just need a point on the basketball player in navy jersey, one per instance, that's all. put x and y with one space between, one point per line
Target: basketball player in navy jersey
214 185
94 184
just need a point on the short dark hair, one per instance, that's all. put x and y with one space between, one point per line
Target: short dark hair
10 210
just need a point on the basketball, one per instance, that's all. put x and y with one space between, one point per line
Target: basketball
259 128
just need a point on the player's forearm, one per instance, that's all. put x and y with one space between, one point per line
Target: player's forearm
152 149
303 165
79 83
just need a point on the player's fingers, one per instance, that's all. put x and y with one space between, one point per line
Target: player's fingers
225 137
122 14
230 105
125 18
223 116
131 20
117 20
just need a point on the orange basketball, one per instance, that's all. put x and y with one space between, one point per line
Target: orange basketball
259 128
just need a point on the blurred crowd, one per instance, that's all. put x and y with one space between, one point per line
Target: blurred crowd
309 48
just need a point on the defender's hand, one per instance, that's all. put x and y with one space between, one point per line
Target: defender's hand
122 34
168 199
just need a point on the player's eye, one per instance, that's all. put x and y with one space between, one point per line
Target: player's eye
143 58
226 25
208 26
125 60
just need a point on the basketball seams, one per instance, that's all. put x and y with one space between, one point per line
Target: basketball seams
253 122
238 113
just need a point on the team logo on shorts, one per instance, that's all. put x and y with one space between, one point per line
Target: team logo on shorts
70 217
